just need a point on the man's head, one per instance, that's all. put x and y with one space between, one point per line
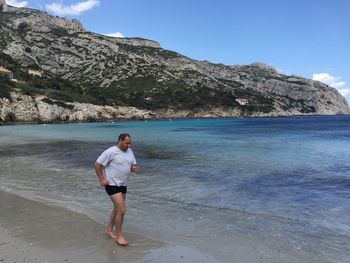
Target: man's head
124 141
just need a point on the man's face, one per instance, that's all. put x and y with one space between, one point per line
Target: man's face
124 145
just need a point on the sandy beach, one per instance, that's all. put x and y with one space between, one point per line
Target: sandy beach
53 210
34 232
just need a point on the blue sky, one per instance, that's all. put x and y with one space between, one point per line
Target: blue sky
308 38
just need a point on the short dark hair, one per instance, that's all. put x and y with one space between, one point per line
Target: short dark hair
122 136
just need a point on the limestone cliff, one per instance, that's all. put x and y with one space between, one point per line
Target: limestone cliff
138 73
40 109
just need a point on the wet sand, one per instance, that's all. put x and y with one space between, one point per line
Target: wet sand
31 231
34 232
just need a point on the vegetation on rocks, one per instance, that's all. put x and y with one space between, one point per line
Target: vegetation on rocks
5 86
85 67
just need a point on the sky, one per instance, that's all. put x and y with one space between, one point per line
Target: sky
307 38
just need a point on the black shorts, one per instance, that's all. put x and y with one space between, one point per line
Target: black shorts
114 189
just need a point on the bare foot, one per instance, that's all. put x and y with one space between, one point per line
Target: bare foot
110 234
121 241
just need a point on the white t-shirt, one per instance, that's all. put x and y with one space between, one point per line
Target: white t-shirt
116 165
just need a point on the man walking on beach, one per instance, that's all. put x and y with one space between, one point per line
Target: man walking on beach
113 168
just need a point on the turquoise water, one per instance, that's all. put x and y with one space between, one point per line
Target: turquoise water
286 180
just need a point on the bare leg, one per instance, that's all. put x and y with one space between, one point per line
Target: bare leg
120 207
109 229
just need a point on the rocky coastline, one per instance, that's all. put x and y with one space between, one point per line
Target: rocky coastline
21 108
77 72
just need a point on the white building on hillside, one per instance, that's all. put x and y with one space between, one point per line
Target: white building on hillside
242 101
5 72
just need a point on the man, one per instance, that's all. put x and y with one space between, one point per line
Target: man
113 168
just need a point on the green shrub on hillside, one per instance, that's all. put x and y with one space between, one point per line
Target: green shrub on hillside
59 32
5 86
146 89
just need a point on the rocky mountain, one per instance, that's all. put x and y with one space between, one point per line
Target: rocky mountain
87 68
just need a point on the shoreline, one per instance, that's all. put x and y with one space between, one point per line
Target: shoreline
191 230
35 232
166 118
22 108
31 231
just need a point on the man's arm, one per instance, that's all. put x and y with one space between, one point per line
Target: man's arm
99 173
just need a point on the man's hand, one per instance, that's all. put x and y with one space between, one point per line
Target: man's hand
101 178
104 182
135 168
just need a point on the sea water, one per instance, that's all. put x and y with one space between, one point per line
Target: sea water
282 180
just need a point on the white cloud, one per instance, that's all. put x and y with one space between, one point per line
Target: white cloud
326 78
334 82
75 9
17 3
116 34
